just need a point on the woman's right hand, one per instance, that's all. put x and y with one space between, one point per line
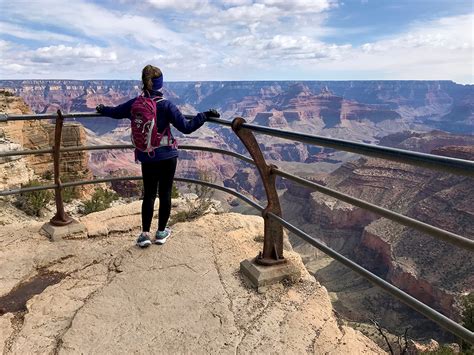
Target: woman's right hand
100 108
212 113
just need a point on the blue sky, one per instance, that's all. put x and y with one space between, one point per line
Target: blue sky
238 39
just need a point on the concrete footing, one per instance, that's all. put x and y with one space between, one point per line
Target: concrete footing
260 277
56 233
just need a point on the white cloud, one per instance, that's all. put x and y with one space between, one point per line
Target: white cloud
251 13
284 47
15 68
236 2
39 35
450 33
296 6
215 35
231 62
197 6
4 45
62 53
58 61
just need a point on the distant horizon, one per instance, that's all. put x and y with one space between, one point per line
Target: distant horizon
238 40
257 80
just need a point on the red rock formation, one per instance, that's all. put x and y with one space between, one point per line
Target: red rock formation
431 270
126 188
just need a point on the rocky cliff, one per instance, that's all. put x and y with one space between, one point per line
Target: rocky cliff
433 271
186 296
18 135
15 170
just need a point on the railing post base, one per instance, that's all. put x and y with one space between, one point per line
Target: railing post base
261 260
260 277
61 221
59 232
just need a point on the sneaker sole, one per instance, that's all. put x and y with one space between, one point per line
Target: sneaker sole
144 244
162 240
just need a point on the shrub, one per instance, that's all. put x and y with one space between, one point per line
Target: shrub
100 200
468 312
468 318
6 92
69 194
48 175
72 192
33 202
174 192
199 206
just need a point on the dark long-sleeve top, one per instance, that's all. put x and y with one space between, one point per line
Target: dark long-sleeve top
167 113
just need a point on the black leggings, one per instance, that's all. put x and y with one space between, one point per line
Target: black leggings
157 175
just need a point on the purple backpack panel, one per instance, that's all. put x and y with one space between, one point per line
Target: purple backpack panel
145 136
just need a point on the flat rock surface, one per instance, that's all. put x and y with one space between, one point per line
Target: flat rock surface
186 296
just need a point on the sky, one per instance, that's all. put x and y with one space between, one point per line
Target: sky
196 40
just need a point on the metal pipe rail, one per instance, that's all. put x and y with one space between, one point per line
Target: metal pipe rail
101 147
436 162
410 301
439 233
131 178
13 153
51 116
431 161
120 146
188 180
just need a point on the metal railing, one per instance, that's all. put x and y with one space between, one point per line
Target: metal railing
273 222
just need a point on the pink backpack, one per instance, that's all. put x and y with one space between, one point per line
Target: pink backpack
145 136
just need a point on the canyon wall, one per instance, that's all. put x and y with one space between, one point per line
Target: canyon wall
434 271
438 104
364 111
31 135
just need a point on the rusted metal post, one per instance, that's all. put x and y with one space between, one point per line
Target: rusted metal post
273 231
60 218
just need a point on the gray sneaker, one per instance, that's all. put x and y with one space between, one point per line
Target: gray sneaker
162 236
143 240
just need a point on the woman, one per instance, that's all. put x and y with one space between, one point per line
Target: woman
158 168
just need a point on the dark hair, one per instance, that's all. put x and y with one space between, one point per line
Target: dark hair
148 74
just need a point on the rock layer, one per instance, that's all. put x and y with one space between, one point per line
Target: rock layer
32 135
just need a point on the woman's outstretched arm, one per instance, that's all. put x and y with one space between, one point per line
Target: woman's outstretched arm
117 112
183 124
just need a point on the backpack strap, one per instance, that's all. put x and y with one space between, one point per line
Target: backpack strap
158 99
167 130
